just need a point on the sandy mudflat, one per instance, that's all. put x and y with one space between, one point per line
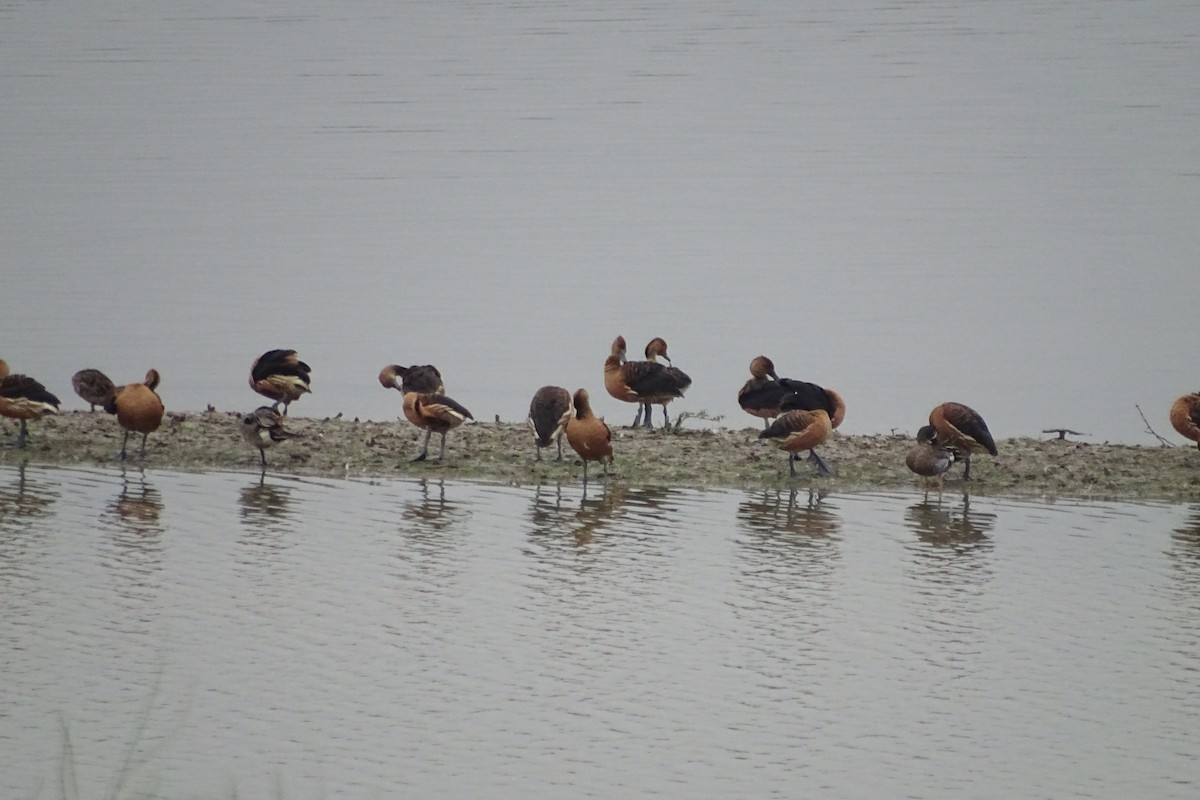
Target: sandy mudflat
503 452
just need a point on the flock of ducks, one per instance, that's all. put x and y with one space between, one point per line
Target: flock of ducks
798 416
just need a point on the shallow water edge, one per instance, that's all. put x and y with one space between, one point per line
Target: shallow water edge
713 457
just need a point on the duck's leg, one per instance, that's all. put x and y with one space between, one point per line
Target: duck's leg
538 455
18 441
142 454
638 419
792 464
967 469
585 472
666 418
442 452
822 467
425 447
262 455
124 442
559 448
647 421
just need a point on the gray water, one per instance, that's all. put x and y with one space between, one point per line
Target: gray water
912 202
213 635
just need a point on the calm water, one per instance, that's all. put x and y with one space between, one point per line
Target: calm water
913 202
210 635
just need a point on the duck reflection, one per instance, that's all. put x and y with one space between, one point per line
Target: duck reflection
431 512
789 533
432 528
134 516
941 523
559 522
266 506
137 509
798 511
23 498
1185 555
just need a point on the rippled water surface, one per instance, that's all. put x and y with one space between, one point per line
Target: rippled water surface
1006 191
217 635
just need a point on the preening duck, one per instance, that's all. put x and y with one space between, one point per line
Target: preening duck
588 434
764 393
798 428
22 398
93 386
435 413
761 395
927 458
424 379
1185 416
548 414
138 408
262 428
963 430
280 376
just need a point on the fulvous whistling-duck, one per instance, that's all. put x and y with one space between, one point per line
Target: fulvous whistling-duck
641 382
798 428
961 429
262 428
588 434
93 386
927 458
424 379
679 379
548 414
138 408
435 413
23 398
763 394
280 375
1185 416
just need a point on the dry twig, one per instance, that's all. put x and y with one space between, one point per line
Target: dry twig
1150 430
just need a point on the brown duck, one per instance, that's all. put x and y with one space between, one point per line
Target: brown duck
961 429
23 398
588 434
138 408
641 382
798 429
280 376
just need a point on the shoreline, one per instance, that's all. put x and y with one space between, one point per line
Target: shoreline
710 458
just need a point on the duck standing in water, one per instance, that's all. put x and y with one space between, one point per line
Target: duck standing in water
927 458
963 430
22 398
588 434
798 428
93 386
549 412
1185 416
138 408
263 427
280 376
